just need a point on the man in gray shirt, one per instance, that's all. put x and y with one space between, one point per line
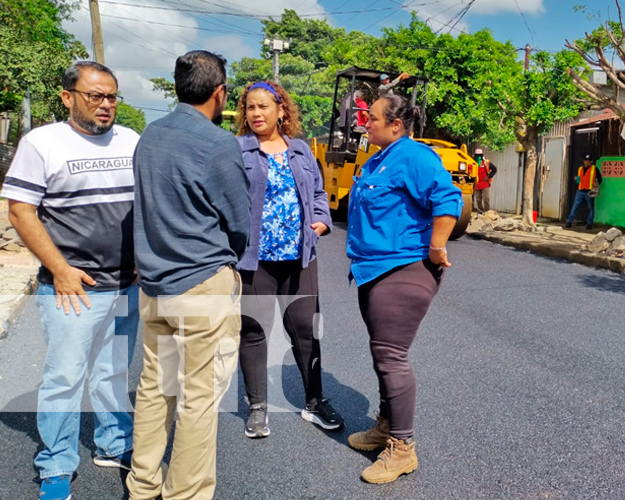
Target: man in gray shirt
191 225
386 85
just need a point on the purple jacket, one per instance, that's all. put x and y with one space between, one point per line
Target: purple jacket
309 185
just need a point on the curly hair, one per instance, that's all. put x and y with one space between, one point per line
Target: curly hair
291 124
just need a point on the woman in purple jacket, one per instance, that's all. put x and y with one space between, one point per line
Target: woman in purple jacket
289 213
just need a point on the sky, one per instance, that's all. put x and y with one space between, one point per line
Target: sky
142 38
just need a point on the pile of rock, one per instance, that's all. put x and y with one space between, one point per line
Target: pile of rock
492 221
10 240
611 243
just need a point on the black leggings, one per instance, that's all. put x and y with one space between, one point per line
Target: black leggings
392 307
279 278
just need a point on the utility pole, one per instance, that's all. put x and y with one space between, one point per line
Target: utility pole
96 28
25 117
528 49
276 46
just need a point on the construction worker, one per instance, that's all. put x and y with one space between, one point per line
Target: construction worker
588 177
486 171
386 85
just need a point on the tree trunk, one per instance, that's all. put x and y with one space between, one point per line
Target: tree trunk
529 145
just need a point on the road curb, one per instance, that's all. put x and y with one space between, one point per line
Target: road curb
568 252
12 308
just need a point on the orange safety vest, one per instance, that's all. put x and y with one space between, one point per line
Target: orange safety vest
586 180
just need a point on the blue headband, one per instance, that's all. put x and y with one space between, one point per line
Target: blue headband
267 87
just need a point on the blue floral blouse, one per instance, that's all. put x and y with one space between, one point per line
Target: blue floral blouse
281 227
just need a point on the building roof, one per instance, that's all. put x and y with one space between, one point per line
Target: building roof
606 114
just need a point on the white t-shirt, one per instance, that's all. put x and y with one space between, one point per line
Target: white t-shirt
83 186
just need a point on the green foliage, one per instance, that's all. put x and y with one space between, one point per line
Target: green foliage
315 114
469 77
530 103
308 37
35 53
130 117
163 85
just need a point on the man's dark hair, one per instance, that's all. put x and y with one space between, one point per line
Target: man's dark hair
197 75
72 74
399 107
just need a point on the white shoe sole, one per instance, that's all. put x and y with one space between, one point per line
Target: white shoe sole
103 462
257 434
312 417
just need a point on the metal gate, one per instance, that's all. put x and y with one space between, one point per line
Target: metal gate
505 189
551 201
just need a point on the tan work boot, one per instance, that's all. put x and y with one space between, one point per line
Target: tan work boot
398 458
375 437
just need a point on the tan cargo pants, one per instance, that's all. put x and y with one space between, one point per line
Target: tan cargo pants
482 200
190 354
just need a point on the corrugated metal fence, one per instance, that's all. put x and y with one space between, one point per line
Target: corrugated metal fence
505 191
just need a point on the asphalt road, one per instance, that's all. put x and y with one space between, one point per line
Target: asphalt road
520 365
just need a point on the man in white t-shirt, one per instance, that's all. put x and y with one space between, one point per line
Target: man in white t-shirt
71 191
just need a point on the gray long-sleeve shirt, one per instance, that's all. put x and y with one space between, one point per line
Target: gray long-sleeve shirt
387 88
192 205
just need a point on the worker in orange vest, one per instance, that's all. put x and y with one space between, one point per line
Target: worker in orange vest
485 172
588 177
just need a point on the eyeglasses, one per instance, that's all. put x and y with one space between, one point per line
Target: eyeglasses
99 98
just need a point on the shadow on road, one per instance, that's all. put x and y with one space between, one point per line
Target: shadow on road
614 284
20 414
351 404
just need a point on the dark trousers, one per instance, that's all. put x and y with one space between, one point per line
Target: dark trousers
582 197
280 278
392 307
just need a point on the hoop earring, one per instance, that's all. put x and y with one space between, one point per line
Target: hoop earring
245 122
280 122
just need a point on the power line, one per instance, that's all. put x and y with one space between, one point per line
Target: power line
215 22
525 21
138 44
457 18
258 16
151 109
356 15
210 30
380 20
461 2
147 24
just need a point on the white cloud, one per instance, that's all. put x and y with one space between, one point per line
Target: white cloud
142 43
444 15
232 47
498 6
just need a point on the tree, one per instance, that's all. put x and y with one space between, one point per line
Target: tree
458 71
130 117
36 50
598 50
315 112
307 70
528 104
309 37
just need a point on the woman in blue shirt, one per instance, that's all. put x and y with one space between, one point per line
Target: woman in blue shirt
402 210
289 213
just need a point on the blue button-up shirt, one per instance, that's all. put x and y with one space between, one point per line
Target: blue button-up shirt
314 200
392 206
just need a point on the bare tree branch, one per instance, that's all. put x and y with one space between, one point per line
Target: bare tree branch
576 48
600 98
618 46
